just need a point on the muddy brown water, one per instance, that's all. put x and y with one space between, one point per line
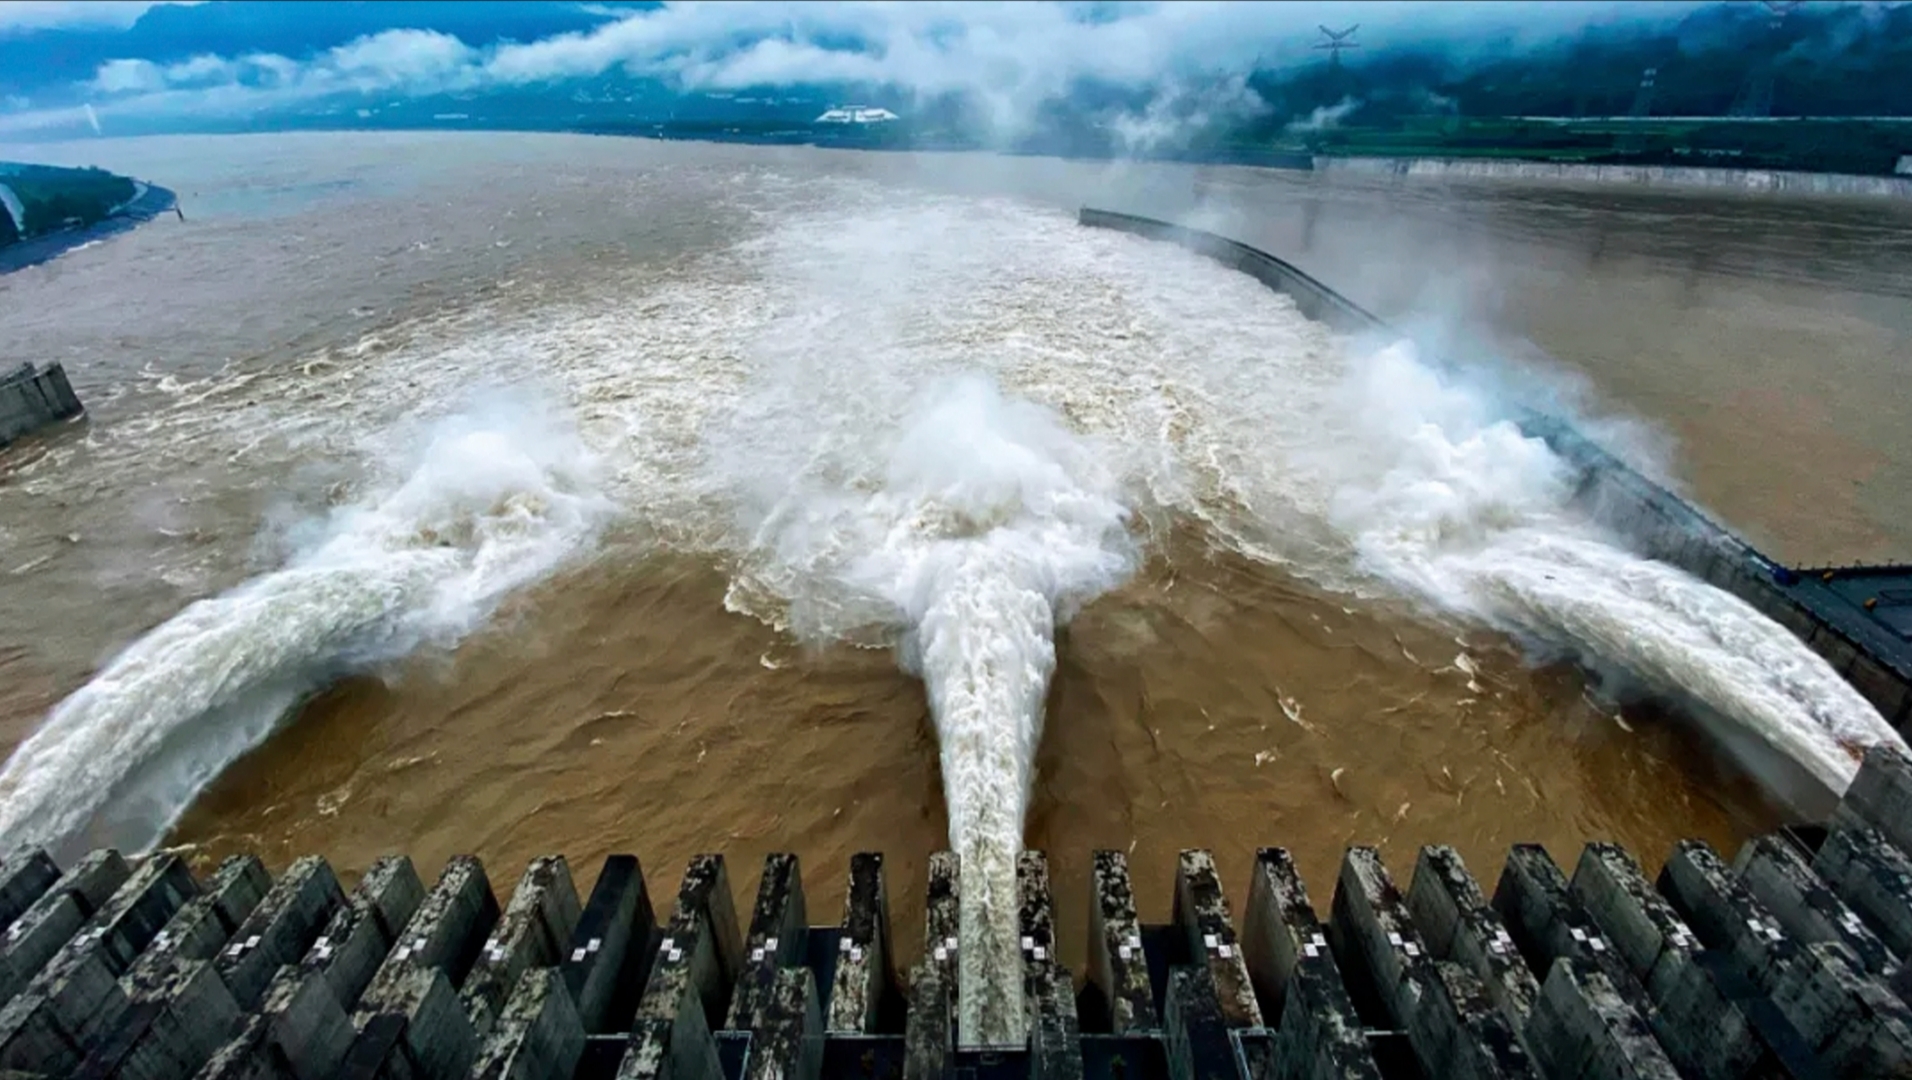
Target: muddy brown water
1211 701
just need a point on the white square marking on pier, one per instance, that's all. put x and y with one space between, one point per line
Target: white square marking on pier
1209 941
1578 934
418 944
951 943
577 955
1042 953
770 944
676 954
1224 952
323 949
1311 949
1412 949
756 955
1135 941
594 944
941 953
843 944
253 941
1394 939
1125 952
1596 945
1028 943
856 952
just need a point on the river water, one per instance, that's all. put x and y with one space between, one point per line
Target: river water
594 495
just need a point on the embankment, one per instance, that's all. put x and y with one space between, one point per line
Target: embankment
150 203
1753 181
1858 640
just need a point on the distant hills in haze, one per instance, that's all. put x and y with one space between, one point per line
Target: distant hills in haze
1085 78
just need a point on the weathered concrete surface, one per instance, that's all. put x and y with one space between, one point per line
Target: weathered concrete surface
77 996
612 942
537 1035
411 1025
51 921
1874 878
779 929
1055 1031
1195 1029
1296 978
1781 879
1581 1027
1201 911
865 978
787 1041
1708 1029
353 945
929 1040
537 924
1457 924
445 933
696 966
1117 965
181 1010
280 929
32 398
1454 1028
24 878
1880 797
943 914
1850 1021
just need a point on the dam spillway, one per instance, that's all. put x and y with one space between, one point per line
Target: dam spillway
1787 962
1858 618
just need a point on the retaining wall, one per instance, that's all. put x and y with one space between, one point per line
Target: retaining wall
1787 962
31 398
1655 522
1758 181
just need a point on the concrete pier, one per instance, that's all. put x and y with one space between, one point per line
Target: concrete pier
35 397
1786 962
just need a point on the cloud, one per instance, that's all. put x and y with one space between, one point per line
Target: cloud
16 15
1007 60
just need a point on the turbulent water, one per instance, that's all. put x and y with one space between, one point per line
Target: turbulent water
941 424
492 504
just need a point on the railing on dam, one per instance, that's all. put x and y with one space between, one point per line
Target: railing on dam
1787 962
1869 644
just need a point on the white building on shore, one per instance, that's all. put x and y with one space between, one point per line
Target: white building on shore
856 114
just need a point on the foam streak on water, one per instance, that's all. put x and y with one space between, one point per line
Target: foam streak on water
490 506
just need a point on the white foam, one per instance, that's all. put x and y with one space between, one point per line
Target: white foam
491 505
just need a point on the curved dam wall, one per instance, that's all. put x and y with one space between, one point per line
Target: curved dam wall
1757 181
1822 607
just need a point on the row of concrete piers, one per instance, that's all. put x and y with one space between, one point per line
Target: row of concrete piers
1789 961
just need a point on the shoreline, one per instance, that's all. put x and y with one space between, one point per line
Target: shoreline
149 204
1677 177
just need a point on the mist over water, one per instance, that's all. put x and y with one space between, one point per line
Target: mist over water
967 532
938 425
492 504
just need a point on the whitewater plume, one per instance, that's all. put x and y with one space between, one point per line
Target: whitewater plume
967 533
1466 511
490 506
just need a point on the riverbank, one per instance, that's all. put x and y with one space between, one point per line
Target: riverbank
151 202
1751 181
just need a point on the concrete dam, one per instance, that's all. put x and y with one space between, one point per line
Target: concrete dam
1787 962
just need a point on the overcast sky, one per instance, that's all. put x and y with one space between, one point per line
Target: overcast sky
1008 56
